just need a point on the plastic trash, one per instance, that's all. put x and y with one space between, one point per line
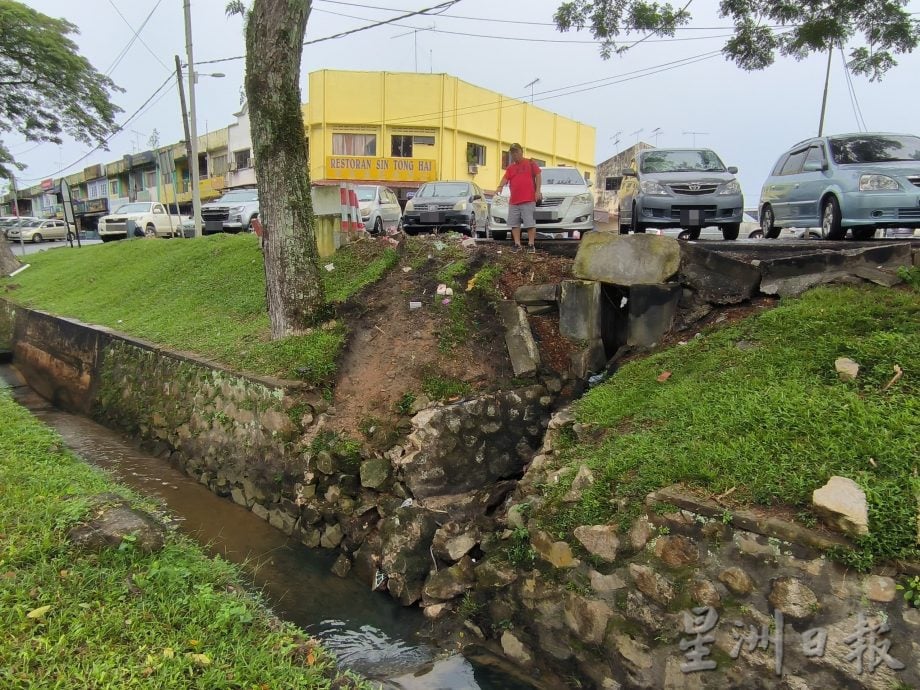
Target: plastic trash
329 267
442 289
445 301
406 504
623 302
596 379
407 269
439 245
415 305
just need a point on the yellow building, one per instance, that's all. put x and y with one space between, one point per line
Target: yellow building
402 129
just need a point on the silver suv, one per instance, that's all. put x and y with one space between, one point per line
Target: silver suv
233 212
680 188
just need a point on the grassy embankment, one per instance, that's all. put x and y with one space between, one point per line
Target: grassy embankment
121 619
767 422
205 296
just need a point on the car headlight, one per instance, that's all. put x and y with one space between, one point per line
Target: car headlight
873 183
730 187
235 209
585 198
499 200
461 206
653 187
410 206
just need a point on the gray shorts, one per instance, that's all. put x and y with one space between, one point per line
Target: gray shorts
521 215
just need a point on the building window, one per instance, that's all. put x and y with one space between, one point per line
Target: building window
402 146
612 184
219 164
354 144
150 179
540 163
475 154
423 140
242 159
506 159
113 188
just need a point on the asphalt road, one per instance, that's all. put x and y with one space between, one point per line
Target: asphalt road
28 248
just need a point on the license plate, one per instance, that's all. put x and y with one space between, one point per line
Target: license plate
692 217
430 217
544 215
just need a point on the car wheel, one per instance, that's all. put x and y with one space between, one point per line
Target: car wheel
634 224
36 238
473 227
378 226
730 231
863 234
500 235
71 237
624 228
830 220
767 227
410 230
150 230
689 234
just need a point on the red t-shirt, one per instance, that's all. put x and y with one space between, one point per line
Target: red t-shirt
520 177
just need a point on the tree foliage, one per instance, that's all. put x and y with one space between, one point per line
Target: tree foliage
47 89
763 28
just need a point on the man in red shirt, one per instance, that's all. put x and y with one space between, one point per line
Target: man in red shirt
524 177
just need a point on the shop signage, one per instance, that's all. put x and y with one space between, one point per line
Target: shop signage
382 169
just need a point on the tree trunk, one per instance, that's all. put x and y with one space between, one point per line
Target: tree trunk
274 45
8 262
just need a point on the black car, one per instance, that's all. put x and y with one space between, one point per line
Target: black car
436 205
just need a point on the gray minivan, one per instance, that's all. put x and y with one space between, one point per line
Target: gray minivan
680 188
858 182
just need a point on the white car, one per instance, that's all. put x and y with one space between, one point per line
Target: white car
380 210
150 218
567 205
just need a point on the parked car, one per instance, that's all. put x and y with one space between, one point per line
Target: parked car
39 229
567 204
680 188
233 212
6 222
459 205
858 182
380 209
150 218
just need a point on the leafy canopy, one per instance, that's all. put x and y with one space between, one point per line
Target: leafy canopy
47 89
762 28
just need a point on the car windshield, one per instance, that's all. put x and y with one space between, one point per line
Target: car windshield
556 176
240 195
367 193
133 208
874 149
681 161
443 189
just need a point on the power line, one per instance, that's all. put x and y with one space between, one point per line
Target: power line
517 21
434 10
137 32
576 41
558 92
124 51
854 101
105 141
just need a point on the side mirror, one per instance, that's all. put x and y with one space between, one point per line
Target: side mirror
814 166
630 172
477 198
732 169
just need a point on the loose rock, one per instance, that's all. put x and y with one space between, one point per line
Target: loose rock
599 540
843 506
676 551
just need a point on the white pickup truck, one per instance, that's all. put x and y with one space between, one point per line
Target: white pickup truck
150 218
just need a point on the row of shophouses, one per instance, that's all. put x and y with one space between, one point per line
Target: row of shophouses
394 129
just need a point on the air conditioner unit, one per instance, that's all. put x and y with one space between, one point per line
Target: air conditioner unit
473 168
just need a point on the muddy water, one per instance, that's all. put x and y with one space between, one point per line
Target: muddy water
368 632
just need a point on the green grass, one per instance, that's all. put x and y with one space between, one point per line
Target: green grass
439 387
205 296
773 422
121 619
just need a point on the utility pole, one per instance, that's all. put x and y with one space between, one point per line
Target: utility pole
414 33
193 132
188 137
827 79
22 246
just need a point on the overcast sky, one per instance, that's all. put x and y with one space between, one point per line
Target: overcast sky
748 118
